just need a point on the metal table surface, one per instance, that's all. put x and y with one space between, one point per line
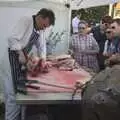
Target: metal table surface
47 98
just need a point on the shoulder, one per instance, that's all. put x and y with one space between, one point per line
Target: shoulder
21 25
94 29
76 36
25 20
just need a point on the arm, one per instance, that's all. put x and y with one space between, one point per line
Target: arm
41 46
17 34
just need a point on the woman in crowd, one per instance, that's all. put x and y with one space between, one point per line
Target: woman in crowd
85 48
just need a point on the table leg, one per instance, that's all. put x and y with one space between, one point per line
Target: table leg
23 112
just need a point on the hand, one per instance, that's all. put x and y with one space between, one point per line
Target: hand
46 64
111 60
22 58
107 54
107 62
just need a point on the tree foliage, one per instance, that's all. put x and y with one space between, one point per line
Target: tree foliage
92 14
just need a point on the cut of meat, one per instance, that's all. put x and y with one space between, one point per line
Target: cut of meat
63 78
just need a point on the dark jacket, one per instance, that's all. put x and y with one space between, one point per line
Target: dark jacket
100 37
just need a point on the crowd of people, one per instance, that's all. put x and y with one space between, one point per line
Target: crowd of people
92 46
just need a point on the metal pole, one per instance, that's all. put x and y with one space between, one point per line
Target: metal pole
110 9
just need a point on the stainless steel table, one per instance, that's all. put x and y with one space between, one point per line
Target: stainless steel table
47 98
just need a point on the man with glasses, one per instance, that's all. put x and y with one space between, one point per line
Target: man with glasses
109 48
115 26
85 48
100 36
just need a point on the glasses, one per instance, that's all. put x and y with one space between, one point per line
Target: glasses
106 24
81 28
108 32
113 27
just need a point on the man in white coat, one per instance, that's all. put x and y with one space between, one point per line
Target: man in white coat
25 35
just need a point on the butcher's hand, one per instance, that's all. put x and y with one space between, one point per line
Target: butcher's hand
22 57
46 63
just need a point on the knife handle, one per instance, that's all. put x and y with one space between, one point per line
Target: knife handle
33 87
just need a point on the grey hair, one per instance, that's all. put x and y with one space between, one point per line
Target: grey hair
82 22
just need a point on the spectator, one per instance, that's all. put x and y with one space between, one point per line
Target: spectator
115 28
109 47
75 22
100 36
85 48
